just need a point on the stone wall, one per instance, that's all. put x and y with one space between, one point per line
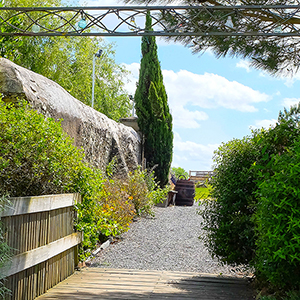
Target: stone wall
100 137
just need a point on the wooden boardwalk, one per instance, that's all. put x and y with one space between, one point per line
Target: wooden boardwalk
99 283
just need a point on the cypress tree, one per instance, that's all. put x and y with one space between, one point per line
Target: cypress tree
154 118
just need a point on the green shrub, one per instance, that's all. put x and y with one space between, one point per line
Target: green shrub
228 218
227 215
89 183
277 203
253 214
36 156
278 220
118 206
144 192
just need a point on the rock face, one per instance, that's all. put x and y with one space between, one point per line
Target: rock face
100 137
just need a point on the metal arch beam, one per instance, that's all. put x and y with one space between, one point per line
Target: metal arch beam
250 20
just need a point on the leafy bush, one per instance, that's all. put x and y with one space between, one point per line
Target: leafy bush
227 218
277 203
278 220
138 190
89 183
144 192
38 158
253 216
118 206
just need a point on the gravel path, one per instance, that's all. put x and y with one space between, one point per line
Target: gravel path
167 242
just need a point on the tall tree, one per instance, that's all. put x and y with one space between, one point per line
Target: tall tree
68 61
275 54
154 118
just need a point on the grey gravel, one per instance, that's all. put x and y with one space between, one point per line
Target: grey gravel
169 241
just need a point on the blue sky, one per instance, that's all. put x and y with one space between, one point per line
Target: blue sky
212 100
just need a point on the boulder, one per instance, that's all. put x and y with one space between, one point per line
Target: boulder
100 137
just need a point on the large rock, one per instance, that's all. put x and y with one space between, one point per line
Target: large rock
100 137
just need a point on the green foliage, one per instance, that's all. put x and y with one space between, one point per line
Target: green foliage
118 205
179 171
154 118
68 61
278 220
90 219
118 201
263 52
277 185
227 218
202 192
253 216
10 44
38 158
138 191
144 192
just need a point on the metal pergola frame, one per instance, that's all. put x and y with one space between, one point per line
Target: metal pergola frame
97 21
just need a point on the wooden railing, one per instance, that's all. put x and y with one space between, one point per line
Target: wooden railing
200 175
41 232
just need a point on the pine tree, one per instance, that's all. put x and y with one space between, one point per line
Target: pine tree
278 55
154 118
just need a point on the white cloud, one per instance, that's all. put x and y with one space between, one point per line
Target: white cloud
288 102
263 74
244 64
192 156
189 93
210 91
288 80
184 118
264 123
133 78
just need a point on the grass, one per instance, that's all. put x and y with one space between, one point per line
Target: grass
201 193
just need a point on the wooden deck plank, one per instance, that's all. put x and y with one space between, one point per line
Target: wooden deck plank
100 283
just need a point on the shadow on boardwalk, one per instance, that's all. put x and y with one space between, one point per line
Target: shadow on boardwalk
95 283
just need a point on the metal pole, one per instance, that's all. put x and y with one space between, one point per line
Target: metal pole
93 86
132 99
